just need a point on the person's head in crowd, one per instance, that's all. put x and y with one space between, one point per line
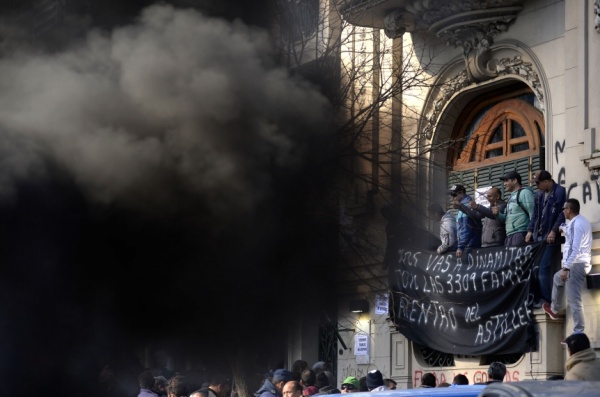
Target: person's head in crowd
363 383
322 380
203 392
390 384
543 180
571 208
220 384
457 192
443 384
435 211
332 379
309 378
297 368
374 379
320 366
177 387
496 371
428 380
280 378
511 181
292 389
160 385
576 343
146 380
493 195
460 379
350 385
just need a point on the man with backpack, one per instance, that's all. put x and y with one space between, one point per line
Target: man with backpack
519 208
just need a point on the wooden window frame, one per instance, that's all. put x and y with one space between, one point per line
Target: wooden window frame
504 113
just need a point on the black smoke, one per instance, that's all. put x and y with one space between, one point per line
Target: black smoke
157 184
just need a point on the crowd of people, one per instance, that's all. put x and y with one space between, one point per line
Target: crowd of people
526 217
319 380
301 381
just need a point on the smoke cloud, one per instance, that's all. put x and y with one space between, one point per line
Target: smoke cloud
177 103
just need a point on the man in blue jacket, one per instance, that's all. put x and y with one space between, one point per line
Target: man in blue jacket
543 226
468 227
274 387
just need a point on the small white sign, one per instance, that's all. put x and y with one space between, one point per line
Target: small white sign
361 345
381 304
480 196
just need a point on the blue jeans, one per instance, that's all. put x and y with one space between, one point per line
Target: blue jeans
573 287
544 274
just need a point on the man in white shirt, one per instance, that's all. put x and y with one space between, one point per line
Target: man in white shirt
576 264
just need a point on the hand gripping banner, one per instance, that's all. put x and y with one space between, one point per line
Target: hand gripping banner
475 305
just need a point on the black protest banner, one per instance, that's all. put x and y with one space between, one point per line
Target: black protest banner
474 305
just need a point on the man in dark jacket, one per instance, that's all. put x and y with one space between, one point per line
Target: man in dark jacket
543 226
493 231
582 363
146 381
324 385
219 386
468 227
274 387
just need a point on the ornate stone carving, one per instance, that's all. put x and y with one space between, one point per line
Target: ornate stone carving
452 86
516 65
394 24
501 67
459 22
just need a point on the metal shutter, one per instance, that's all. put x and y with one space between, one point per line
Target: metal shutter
489 176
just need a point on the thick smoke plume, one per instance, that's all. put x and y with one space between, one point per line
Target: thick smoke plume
176 103
104 151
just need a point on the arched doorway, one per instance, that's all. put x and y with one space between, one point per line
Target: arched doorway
494 135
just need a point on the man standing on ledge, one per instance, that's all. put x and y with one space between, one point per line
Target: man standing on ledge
468 227
519 208
577 257
545 221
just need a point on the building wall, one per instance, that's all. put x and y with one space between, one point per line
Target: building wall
559 40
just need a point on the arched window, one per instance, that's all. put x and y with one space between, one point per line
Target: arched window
507 131
494 136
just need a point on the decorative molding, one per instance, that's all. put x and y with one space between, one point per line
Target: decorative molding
496 68
451 87
394 24
470 24
516 65
467 23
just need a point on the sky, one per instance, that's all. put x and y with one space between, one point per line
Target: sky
153 191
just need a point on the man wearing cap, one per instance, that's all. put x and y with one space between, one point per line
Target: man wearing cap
375 381
582 363
274 387
519 208
219 385
350 385
468 226
576 263
543 226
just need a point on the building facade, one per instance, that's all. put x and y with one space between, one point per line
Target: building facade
456 92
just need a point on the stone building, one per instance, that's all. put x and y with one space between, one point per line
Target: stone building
458 92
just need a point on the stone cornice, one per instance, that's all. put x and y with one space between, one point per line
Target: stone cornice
471 24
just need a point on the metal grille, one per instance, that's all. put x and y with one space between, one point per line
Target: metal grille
489 176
